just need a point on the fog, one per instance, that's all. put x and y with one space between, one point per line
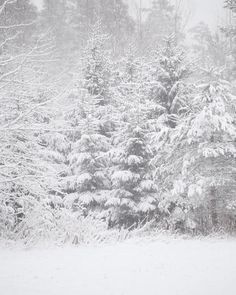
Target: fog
208 11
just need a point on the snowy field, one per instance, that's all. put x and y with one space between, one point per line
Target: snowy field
164 267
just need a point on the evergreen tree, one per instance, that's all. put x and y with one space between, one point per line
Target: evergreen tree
168 75
87 183
201 160
96 69
133 195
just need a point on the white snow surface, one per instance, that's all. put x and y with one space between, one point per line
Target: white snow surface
161 267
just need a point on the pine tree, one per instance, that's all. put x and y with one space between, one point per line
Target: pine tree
96 68
87 182
202 151
127 76
168 87
133 195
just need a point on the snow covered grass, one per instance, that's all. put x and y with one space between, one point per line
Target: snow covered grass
162 266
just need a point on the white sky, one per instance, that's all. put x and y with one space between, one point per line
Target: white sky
209 11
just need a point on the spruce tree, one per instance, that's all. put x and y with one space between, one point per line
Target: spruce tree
96 68
168 81
200 161
133 194
88 181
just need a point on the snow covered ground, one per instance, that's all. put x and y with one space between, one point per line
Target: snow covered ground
163 267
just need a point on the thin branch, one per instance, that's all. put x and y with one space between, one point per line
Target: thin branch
7 2
17 26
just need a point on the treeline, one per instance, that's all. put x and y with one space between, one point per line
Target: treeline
106 120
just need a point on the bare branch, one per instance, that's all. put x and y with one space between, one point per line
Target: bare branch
17 26
7 2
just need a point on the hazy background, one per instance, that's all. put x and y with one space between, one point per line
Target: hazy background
199 10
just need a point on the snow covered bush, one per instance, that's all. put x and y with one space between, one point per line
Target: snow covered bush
60 226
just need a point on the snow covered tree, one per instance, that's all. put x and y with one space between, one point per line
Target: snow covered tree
231 4
200 162
87 182
168 75
133 194
56 149
96 68
126 76
26 178
214 131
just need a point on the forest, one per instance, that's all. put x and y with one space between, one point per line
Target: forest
113 124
